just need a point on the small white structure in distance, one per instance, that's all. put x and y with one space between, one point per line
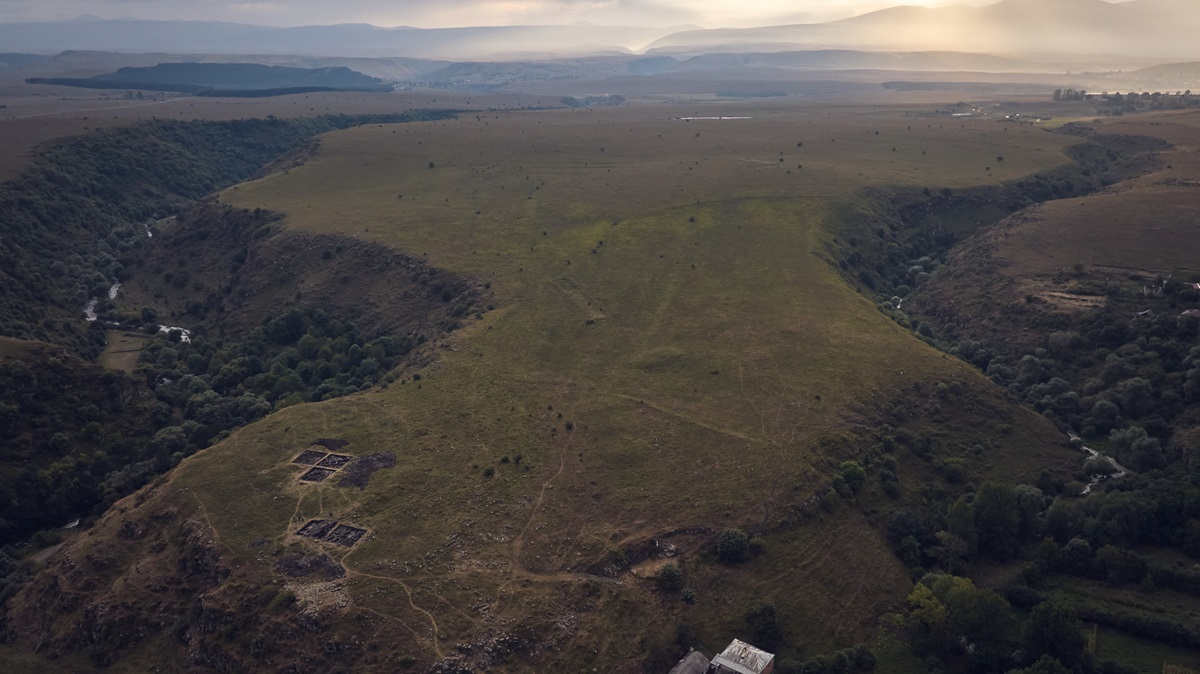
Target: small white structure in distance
740 657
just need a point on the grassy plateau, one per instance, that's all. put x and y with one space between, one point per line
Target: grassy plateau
669 351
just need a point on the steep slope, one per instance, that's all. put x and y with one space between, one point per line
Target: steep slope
59 408
1073 257
84 202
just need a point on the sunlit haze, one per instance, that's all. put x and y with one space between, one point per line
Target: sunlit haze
444 13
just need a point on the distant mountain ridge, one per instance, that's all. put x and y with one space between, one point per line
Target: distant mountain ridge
1022 28
244 76
1159 28
1176 75
847 59
361 40
225 79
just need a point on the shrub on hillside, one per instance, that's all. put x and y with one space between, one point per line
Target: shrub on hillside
669 578
733 546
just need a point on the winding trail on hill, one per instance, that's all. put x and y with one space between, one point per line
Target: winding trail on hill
352 572
691 420
517 569
208 520
388 616
435 642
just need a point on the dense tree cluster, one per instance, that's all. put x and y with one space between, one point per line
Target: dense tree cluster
81 437
958 626
1118 104
299 356
1069 94
1093 538
73 433
1120 375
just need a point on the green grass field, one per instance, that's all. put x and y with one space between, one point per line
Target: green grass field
668 350
1143 654
123 350
1149 657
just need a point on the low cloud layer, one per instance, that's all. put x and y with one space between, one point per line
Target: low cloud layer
442 13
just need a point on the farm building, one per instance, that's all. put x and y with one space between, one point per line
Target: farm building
738 657
692 663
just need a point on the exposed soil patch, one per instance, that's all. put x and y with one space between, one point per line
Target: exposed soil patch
301 565
317 475
335 461
359 472
310 457
651 567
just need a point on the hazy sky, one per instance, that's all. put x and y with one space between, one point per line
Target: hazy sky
436 13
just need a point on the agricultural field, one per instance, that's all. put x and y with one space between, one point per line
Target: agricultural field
669 353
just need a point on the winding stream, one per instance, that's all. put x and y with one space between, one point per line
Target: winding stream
1119 470
89 313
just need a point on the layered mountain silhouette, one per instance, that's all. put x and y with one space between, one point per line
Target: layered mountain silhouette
225 78
1150 28
202 37
1017 28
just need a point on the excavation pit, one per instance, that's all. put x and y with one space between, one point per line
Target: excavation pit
310 457
316 475
317 528
335 461
345 535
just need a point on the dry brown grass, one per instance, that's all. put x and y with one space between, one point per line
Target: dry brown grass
1147 224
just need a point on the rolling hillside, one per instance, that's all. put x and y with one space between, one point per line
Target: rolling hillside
655 369
1072 258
